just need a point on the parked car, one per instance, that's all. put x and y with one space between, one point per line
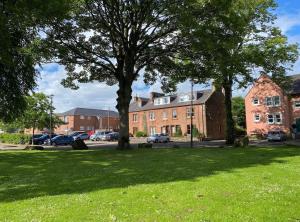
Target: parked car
158 138
82 136
110 136
276 135
42 139
35 136
61 140
76 133
99 135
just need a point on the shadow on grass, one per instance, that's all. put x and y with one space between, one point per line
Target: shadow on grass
25 175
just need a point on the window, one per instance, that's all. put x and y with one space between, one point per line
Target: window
88 117
255 101
66 119
270 119
297 104
275 118
165 115
82 128
276 100
152 130
174 114
269 101
189 112
162 101
81 116
135 117
151 116
186 98
278 119
256 117
273 101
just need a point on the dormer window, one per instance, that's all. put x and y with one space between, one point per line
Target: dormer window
255 101
186 98
162 101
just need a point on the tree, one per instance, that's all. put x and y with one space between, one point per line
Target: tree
19 23
37 113
235 42
114 41
238 111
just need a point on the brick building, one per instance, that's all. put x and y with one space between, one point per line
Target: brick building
168 113
269 107
82 119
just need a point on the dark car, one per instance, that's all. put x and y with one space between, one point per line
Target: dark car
61 140
35 136
42 139
110 136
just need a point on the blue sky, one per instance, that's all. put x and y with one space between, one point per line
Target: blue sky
96 95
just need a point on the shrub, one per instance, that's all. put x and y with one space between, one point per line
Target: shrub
14 138
144 145
140 134
240 132
195 132
178 132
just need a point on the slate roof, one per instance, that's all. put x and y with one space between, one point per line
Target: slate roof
89 112
296 84
202 97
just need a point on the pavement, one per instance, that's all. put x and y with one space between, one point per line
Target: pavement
93 145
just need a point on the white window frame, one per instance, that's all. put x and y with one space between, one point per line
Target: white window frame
271 100
151 116
255 119
174 116
162 101
255 99
273 120
190 112
297 104
82 117
82 128
276 119
89 117
152 130
279 104
164 115
135 117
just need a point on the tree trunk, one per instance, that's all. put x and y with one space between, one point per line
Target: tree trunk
230 132
124 98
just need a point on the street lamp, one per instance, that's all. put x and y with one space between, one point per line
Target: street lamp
192 107
51 105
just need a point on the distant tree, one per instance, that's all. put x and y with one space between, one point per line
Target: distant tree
236 41
37 113
114 41
238 111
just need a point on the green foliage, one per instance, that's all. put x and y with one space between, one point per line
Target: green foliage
239 132
141 134
195 132
14 138
178 132
238 111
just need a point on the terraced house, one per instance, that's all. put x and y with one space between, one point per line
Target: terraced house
170 114
269 107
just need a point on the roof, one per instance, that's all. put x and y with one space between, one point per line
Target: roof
296 84
89 112
202 97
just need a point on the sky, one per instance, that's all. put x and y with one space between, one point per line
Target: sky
100 96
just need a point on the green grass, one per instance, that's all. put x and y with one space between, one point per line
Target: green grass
254 184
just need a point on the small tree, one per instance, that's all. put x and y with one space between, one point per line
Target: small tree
238 111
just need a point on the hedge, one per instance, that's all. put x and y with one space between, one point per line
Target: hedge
14 138
140 134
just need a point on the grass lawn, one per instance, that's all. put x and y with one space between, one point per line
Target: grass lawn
254 184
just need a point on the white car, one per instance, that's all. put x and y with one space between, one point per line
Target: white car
276 135
158 138
99 135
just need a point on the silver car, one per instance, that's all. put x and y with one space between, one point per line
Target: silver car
276 135
158 138
99 135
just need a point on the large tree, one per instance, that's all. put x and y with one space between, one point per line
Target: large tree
19 24
236 42
114 41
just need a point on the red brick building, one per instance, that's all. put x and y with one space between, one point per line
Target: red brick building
82 119
168 113
269 107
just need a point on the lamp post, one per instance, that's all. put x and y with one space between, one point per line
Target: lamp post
191 113
51 105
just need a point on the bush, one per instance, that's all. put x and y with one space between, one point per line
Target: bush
144 145
14 138
140 134
240 132
178 132
195 132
